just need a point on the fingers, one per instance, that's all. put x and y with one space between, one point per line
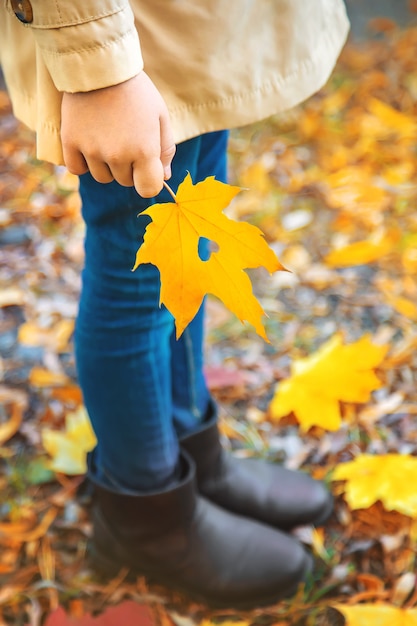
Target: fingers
74 161
148 178
146 174
122 173
149 172
146 169
167 144
77 164
100 171
137 146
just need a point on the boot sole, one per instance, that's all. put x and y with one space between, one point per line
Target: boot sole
109 568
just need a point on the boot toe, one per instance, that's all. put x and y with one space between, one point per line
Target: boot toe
251 564
301 499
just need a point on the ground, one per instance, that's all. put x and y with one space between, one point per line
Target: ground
332 186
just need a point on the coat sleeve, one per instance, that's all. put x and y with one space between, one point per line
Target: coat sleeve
87 44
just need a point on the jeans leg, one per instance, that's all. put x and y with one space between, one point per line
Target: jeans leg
122 340
189 389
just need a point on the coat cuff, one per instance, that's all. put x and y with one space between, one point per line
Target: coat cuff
93 54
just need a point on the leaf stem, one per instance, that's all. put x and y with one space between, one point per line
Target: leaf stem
168 188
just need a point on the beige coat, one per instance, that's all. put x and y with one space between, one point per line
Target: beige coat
218 63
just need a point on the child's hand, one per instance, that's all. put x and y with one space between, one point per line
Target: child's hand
121 132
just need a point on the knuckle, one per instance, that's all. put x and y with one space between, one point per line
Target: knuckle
169 152
117 159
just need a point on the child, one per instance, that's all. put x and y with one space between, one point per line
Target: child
110 88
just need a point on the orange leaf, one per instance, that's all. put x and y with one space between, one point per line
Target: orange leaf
382 24
30 535
127 613
171 243
40 377
18 401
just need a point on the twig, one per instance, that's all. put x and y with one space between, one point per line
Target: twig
168 188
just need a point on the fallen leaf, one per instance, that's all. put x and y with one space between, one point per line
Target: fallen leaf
377 615
71 394
127 613
382 24
353 187
317 536
256 176
18 401
403 305
69 449
360 252
319 382
171 243
207 622
403 587
403 351
370 582
392 120
390 478
22 526
222 378
9 531
386 406
12 296
41 377
409 257
56 337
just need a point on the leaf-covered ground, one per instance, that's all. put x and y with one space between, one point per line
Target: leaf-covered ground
333 186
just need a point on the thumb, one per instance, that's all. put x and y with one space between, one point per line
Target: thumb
167 144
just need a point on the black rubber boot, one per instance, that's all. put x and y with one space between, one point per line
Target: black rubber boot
179 539
254 488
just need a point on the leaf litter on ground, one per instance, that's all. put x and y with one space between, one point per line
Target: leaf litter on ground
332 187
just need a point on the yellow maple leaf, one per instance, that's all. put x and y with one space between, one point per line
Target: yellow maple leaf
402 305
69 449
387 477
318 383
359 252
409 256
171 243
391 120
55 338
353 187
377 615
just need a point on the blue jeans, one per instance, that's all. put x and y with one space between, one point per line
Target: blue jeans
142 388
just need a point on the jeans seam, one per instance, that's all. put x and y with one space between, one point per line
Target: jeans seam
191 374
